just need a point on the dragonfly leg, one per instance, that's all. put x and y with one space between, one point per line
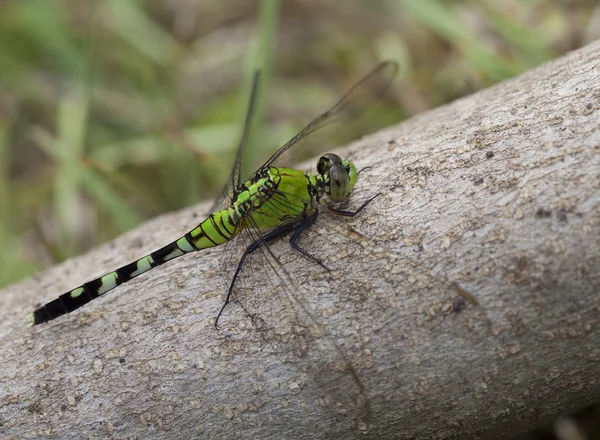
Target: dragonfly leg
351 213
306 223
279 232
362 169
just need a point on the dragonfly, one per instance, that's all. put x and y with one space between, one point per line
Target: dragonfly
273 202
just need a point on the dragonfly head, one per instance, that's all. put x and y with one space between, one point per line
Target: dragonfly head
339 175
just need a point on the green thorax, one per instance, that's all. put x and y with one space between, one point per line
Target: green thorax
280 195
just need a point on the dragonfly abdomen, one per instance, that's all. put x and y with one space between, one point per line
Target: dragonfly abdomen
213 231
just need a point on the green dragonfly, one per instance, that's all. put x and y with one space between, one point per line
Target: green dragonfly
273 202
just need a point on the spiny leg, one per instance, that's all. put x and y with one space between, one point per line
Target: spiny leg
351 213
263 240
306 223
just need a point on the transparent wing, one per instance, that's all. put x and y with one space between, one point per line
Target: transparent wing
280 313
228 190
235 177
371 87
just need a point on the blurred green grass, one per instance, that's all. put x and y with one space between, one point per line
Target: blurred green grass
114 111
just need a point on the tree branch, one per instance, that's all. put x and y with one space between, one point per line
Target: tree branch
497 192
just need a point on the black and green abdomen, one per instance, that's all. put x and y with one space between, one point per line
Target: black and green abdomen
213 231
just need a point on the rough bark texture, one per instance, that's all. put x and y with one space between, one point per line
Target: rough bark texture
499 192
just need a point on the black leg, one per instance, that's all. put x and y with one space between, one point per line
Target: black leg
362 169
279 232
351 213
307 222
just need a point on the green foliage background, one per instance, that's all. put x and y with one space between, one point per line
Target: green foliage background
113 111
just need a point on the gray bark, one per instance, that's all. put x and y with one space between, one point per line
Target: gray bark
498 192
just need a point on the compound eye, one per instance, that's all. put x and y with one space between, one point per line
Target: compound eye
339 182
327 161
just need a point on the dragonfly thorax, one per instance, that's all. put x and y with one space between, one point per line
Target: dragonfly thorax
339 176
251 194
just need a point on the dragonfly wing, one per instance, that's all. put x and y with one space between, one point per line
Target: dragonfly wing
234 179
370 88
268 302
